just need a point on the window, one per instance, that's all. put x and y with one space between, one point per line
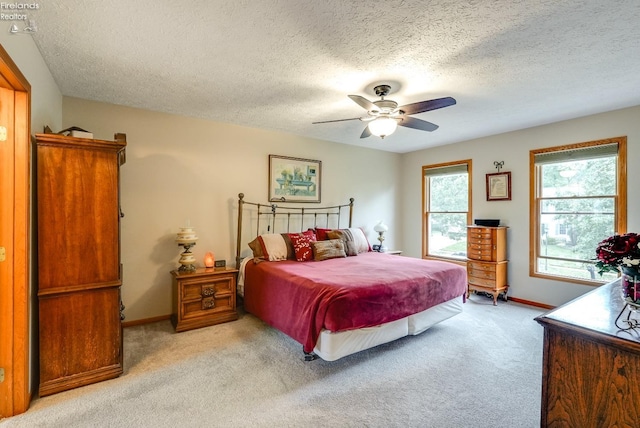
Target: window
447 209
578 198
562 229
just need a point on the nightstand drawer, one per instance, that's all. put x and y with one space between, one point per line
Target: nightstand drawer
198 289
207 306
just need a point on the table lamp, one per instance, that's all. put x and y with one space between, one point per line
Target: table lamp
381 228
187 238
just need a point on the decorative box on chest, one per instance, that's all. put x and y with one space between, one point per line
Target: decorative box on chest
487 260
204 297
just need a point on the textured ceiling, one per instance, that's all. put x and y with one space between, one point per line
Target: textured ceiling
282 64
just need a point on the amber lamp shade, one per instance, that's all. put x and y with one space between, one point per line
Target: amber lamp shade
209 260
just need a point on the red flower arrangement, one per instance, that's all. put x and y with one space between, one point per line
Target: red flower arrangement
617 252
621 253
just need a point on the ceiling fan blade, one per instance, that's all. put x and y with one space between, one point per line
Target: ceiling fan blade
423 106
363 102
337 120
422 125
366 133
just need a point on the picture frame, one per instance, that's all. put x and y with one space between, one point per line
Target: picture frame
499 186
294 179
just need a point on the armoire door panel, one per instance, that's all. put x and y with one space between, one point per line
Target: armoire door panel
79 270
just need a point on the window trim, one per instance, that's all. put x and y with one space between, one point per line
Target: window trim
424 212
534 206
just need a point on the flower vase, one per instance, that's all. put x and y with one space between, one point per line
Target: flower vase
631 286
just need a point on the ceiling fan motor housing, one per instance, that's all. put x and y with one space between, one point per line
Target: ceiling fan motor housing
386 106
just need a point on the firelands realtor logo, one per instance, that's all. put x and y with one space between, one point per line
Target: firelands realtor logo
16 11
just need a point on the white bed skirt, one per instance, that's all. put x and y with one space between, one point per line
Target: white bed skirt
333 346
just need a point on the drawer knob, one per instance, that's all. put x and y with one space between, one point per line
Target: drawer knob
208 303
208 291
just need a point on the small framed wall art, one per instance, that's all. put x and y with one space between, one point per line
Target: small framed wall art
499 186
294 179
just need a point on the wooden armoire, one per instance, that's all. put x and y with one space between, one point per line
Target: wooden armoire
79 270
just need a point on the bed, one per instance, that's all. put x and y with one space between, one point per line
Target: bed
345 303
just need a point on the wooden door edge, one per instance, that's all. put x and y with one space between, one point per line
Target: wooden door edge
14 324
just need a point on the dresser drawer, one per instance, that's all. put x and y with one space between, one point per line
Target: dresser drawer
487 274
480 243
483 282
480 254
481 266
479 248
479 273
479 233
486 243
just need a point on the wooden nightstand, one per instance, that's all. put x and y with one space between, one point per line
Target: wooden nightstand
394 252
204 297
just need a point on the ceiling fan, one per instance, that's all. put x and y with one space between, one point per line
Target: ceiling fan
385 115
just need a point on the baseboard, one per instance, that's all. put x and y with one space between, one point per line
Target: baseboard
168 317
530 303
145 321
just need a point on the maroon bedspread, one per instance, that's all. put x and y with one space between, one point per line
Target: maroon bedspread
302 298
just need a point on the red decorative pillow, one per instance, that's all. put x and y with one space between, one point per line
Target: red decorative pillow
302 245
321 234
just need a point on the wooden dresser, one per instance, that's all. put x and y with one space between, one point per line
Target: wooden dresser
79 270
204 297
591 369
487 260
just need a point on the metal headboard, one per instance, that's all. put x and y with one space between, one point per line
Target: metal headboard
304 217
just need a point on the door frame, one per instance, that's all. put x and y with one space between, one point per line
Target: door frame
15 105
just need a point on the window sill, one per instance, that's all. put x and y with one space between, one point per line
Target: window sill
461 262
592 283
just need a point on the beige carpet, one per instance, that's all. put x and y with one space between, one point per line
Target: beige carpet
479 369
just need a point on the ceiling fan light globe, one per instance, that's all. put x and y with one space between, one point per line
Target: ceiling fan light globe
383 126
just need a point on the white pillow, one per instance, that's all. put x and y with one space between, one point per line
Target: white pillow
360 240
274 247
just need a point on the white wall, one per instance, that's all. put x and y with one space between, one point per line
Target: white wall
181 168
513 148
46 109
46 99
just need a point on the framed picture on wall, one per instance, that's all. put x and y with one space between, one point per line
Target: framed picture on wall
294 179
499 186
